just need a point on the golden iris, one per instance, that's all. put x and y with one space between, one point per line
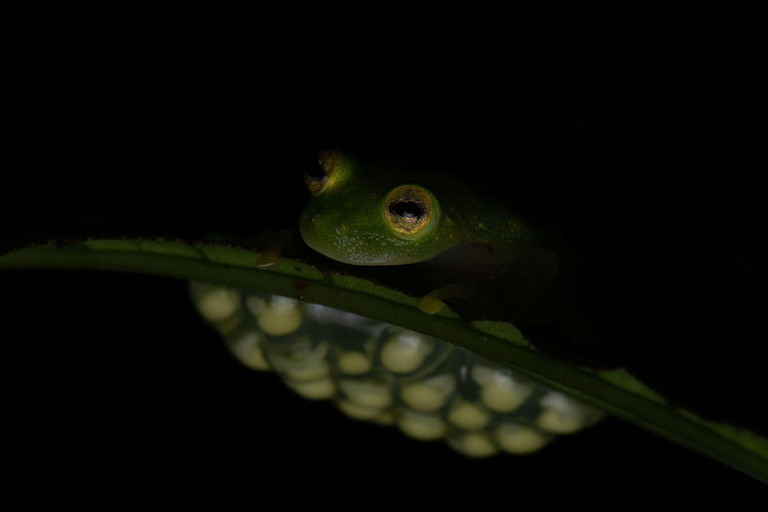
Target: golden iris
409 210
317 172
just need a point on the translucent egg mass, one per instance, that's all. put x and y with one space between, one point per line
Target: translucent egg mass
371 371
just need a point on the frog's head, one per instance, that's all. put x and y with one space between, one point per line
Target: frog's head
370 216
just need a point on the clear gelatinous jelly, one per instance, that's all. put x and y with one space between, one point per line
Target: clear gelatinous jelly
377 372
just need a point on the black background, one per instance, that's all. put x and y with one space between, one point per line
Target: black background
632 128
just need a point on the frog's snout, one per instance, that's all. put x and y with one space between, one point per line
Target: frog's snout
318 231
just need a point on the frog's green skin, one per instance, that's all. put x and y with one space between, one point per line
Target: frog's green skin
470 239
346 221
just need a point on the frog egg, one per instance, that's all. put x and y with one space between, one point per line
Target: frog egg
218 303
276 316
385 418
564 415
482 375
519 439
469 416
304 363
300 359
405 352
246 347
430 394
502 393
353 362
473 444
424 427
371 394
230 324
357 411
310 372
320 389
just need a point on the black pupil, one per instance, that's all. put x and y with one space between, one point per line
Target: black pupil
407 210
314 169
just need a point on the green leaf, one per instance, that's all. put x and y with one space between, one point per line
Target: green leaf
614 391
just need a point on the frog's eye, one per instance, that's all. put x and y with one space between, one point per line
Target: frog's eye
411 210
318 170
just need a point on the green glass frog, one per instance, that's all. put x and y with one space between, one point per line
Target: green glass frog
394 214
